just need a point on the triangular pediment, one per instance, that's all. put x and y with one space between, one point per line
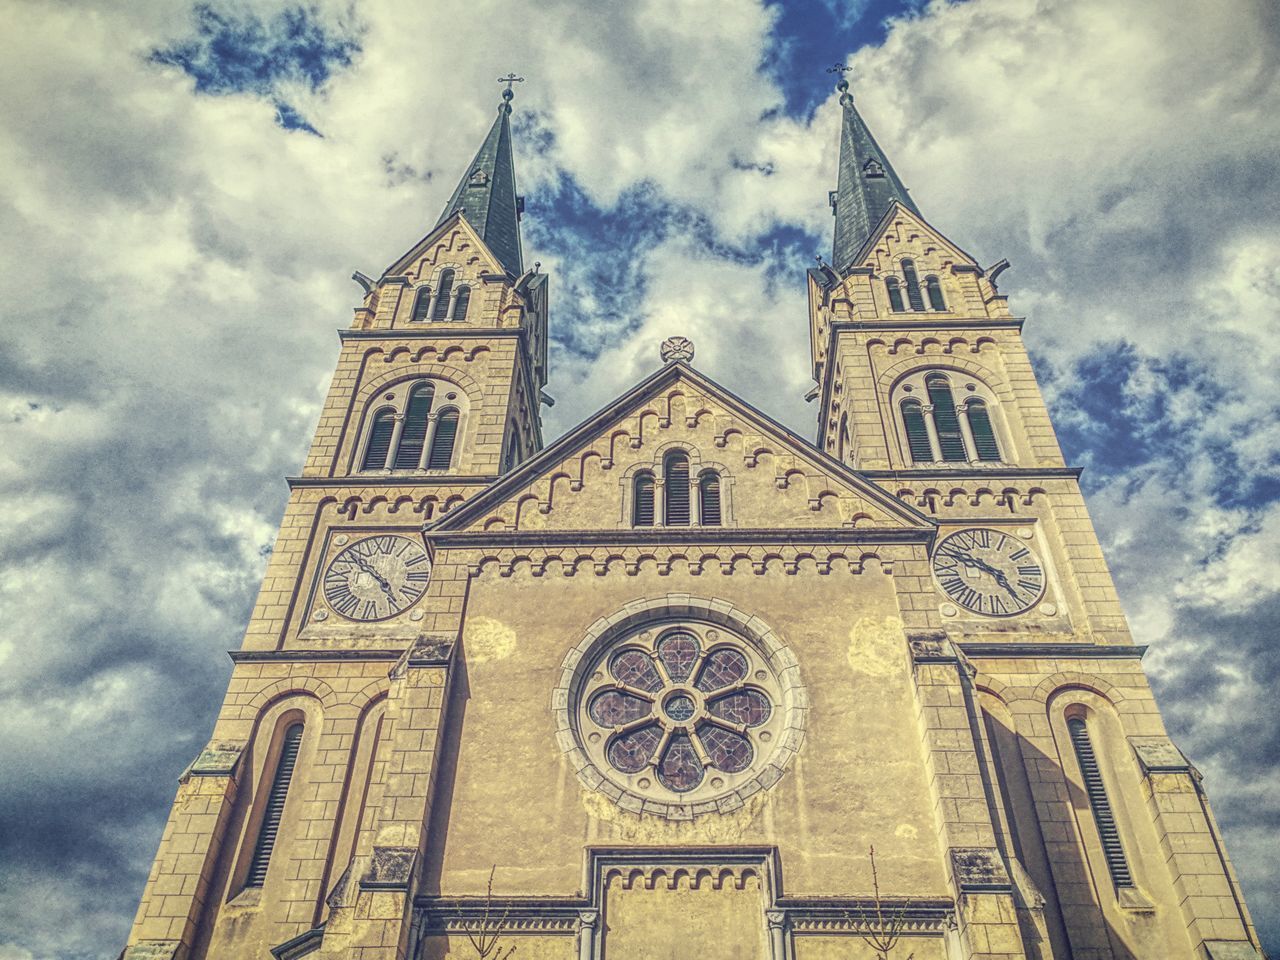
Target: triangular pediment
454 236
901 228
771 479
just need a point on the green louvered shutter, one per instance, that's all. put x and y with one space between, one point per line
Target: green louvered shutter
1103 815
945 419
414 433
917 432
375 453
441 455
984 437
274 811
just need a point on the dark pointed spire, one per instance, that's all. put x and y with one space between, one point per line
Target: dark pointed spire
867 185
486 195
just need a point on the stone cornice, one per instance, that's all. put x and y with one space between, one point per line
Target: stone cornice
931 322
311 656
1052 651
438 333
402 480
971 473
682 536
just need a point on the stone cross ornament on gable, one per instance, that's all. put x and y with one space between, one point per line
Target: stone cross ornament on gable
677 348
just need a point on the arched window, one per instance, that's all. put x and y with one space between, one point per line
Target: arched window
461 302
441 456
934 289
709 498
676 489
895 294
441 309
917 433
422 303
375 453
642 500
274 810
984 437
914 298
945 419
1096 790
414 432
512 456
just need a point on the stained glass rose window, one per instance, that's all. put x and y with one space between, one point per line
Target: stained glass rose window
679 714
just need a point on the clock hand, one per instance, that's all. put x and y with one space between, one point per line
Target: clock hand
382 582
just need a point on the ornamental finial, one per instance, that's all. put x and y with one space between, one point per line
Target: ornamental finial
841 69
677 348
507 94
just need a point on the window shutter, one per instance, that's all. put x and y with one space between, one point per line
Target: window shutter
422 304
275 807
709 498
917 432
984 437
375 454
1103 816
945 419
441 455
441 311
934 289
642 504
677 490
913 285
414 433
461 302
895 294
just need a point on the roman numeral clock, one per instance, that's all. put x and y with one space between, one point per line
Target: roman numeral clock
989 572
377 578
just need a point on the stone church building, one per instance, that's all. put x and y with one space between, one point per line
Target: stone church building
664 682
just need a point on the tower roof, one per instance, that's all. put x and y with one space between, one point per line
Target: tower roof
486 194
867 185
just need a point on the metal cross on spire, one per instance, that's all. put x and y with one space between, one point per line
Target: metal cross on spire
509 79
840 69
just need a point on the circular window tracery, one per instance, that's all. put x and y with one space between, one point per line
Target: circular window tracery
680 714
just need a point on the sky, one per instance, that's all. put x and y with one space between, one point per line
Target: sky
187 188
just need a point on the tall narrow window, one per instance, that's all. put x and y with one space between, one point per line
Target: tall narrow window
914 298
934 289
1103 816
414 432
709 498
984 437
945 418
274 811
441 309
441 455
461 302
375 453
917 432
892 285
676 490
422 303
642 501
510 458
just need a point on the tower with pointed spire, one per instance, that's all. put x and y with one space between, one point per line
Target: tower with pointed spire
654 689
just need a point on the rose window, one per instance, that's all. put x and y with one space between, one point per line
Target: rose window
679 715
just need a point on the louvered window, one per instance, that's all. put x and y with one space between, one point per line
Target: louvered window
414 433
709 498
274 811
984 437
945 419
895 294
375 453
461 302
676 490
917 432
914 298
422 303
934 289
441 455
1103 815
642 503
441 309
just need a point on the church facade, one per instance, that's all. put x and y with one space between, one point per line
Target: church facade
657 689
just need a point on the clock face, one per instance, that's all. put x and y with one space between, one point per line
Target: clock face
377 578
989 572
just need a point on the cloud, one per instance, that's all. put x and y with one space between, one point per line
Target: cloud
178 260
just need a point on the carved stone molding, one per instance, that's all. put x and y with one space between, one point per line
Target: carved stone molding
979 870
